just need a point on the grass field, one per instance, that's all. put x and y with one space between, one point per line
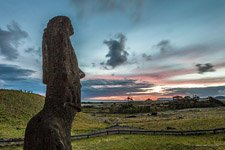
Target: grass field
186 119
146 142
16 108
149 142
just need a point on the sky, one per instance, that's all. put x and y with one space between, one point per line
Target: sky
137 48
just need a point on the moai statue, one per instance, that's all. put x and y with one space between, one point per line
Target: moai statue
50 128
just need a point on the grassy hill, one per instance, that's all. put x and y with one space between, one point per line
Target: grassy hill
17 107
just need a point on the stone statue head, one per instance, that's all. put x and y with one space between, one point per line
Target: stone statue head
61 23
61 72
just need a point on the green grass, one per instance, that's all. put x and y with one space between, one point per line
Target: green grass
16 109
11 148
187 119
86 123
146 142
149 142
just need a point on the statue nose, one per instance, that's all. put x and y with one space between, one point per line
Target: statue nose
81 74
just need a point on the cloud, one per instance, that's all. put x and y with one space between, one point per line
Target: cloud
10 39
203 92
88 8
14 77
146 57
101 87
205 68
2 83
35 51
164 46
117 54
188 53
93 64
14 73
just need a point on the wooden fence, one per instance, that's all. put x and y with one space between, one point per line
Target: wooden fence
19 141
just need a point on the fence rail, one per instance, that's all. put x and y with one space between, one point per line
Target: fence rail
19 141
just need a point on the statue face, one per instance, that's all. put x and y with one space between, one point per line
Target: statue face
70 27
67 25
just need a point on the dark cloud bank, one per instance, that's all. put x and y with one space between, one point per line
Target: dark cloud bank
111 87
15 77
202 92
102 88
10 39
117 54
14 73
